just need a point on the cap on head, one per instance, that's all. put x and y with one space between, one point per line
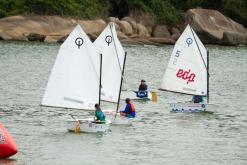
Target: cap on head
143 81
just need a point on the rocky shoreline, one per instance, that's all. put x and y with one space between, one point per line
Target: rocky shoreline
211 26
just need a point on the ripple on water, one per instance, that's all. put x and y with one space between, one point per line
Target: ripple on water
156 137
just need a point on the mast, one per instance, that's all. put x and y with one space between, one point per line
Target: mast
206 65
207 76
121 84
100 78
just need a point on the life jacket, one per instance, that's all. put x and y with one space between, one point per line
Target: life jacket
132 107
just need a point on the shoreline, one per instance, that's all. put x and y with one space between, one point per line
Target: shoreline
52 29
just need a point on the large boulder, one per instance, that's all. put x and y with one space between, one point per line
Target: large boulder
161 31
45 28
132 22
121 35
93 27
142 31
214 27
112 19
125 27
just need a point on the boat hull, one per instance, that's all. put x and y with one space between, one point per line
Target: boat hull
87 125
187 107
135 95
7 144
117 119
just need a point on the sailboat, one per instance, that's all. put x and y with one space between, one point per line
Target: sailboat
187 71
109 45
75 80
114 55
113 65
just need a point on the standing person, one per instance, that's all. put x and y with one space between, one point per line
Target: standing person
129 110
143 86
197 99
100 117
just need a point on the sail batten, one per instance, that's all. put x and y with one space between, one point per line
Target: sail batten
187 70
74 80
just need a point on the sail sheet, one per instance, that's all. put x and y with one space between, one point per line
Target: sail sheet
187 68
112 63
74 80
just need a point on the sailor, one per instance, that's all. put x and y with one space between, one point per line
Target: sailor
143 86
129 110
197 99
100 117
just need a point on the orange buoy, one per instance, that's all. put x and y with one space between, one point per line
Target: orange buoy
7 144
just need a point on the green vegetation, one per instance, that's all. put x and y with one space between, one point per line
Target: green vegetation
163 11
76 8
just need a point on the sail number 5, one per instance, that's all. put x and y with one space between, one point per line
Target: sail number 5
176 57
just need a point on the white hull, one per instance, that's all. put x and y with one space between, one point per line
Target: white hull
87 125
187 107
117 119
133 96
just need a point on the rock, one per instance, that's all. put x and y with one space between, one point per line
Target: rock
175 36
134 36
142 31
213 27
143 18
112 19
175 30
9 35
32 28
49 39
121 35
132 22
92 37
231 38
93 27
125 27
36 37
62 39
175 33
162 40
117 27
161 31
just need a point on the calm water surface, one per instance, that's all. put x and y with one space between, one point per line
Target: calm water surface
156 137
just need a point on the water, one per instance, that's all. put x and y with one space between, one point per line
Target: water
156 137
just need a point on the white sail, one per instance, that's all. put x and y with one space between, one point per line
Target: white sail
74 80
187 68
112 63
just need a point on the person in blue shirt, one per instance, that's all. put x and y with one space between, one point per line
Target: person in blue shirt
100 117
197 99
129 110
